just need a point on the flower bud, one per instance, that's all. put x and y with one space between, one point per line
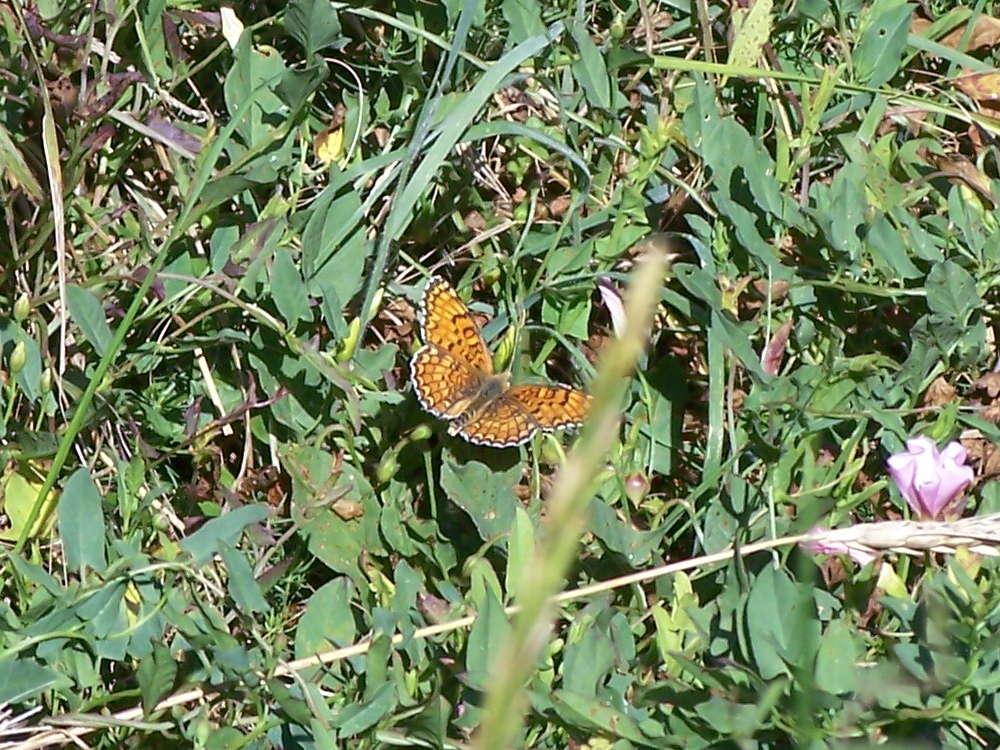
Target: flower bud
420 432
22 307
45 384
618 26
18 357
636 487
387 467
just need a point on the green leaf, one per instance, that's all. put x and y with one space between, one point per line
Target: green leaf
19 496
242 586
327 622
358 717
878 55
488 633
314 24
951 291
524 18
13 164
156 675
836 661
203 544
22 678
590 70
589 655
81 523
487 496
254 78
520 552
86 311
781 622
288 290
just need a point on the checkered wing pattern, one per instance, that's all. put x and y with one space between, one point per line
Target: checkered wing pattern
440 379
552 406
447 324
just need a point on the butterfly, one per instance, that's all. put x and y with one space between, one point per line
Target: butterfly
453 376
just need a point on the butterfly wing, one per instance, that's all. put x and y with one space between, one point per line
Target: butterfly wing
441 380
503 423
552 407
446 323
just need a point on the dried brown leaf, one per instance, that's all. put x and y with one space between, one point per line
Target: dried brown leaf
939 393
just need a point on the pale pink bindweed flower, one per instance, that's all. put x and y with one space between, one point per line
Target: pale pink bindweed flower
832 547
931 481
612 299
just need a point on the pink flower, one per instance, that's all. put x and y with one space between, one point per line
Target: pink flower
931 481
824 543
612 299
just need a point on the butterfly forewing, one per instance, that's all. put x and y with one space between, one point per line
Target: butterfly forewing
448 325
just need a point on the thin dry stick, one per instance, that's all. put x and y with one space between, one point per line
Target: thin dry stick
980 534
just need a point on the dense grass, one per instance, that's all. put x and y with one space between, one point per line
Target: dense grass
230 524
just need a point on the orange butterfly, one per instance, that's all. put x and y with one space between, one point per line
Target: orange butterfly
454 379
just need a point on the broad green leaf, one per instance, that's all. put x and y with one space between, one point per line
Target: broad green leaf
589 656
314 24
86 311
242 586
751 31
951 291
254 77
288 290
782 627
14 166
487 496
22 678
358 717
836 661
226 529
328 620
486 639
587 711
879 53
590 70
520 552
524 18
18 497
156 675
81 523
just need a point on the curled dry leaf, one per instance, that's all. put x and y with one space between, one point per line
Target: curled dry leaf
774 354
960 169
983 87
939 393
990 382
986 33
